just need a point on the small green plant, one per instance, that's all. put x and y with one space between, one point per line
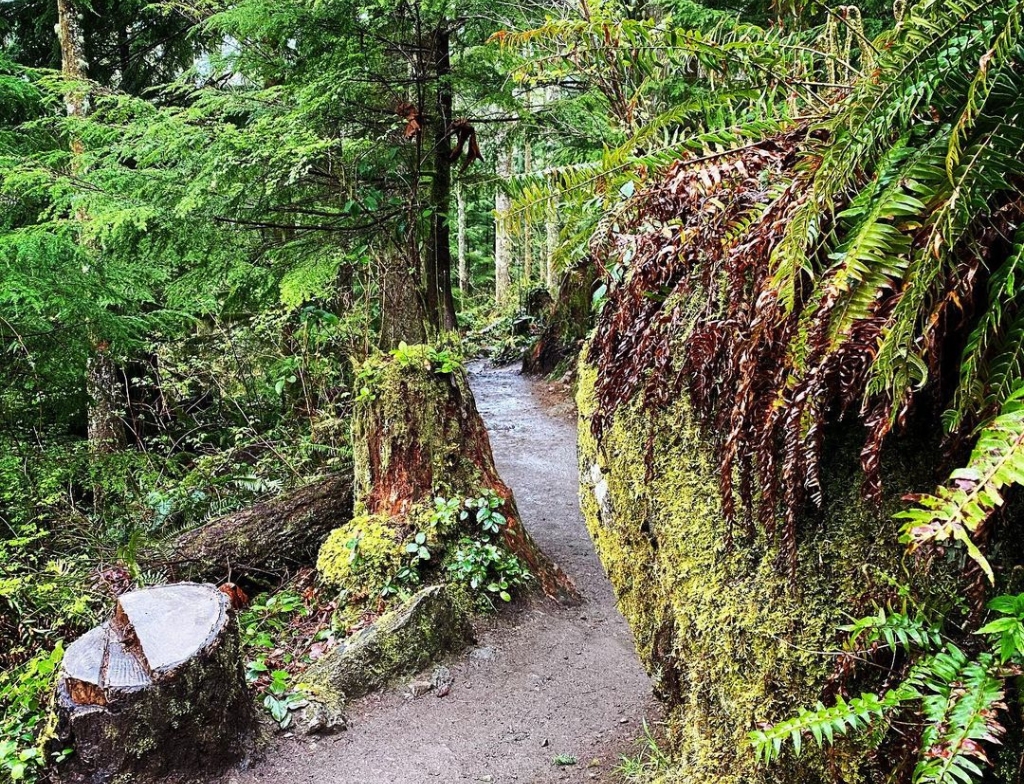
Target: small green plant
487 568
564 760
486 509
649 761
265 630
445 361
25 726
437 360
418 547
265 619
281 700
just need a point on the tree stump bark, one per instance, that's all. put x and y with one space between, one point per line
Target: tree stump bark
157 693
261 544
568 323
419 435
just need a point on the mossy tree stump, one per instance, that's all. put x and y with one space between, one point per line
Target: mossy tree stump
157 693
417 435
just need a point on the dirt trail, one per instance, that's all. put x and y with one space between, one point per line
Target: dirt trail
544 680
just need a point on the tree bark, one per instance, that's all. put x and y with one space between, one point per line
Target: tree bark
107 404
460 198
403 314
420 435
107 398
440 302
263 543
502 272
551 244
527 227
156 694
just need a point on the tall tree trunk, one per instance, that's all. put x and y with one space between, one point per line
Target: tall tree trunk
527 228
403 315
502 277
107 399
551 246
460 199
440 302
421 431
107 403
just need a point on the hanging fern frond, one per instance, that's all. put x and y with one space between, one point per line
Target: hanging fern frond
960 701
961 508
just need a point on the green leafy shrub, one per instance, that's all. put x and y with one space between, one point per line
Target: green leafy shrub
487 569
26 724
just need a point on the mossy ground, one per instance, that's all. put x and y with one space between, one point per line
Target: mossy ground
728 640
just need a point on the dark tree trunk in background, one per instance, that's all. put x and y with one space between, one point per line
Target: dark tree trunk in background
403 316
107 399
440 303
108 403
460 198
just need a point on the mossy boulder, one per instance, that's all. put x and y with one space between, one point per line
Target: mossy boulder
363 555
728 639
400 642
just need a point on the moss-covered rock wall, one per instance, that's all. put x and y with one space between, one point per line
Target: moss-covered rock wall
726 638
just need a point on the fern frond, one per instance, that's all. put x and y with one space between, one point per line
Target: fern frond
961 705
896 630
999 57
823 724
975 491
982 381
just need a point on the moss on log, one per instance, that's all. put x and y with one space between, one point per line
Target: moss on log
400 642
264 542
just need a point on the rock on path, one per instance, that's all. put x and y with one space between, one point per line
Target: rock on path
543 681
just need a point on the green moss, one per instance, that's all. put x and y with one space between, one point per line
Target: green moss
362 555
726 638
412 397
400 642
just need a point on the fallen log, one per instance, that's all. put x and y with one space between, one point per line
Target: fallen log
157 693
263 543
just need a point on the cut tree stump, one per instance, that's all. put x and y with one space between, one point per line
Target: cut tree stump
419 435
263 543
157 693
567 324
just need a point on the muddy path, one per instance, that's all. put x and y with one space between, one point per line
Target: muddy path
543 681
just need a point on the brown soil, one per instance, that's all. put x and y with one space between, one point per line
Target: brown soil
544 680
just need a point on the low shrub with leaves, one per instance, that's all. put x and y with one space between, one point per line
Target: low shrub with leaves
955 699
26 722
276 642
